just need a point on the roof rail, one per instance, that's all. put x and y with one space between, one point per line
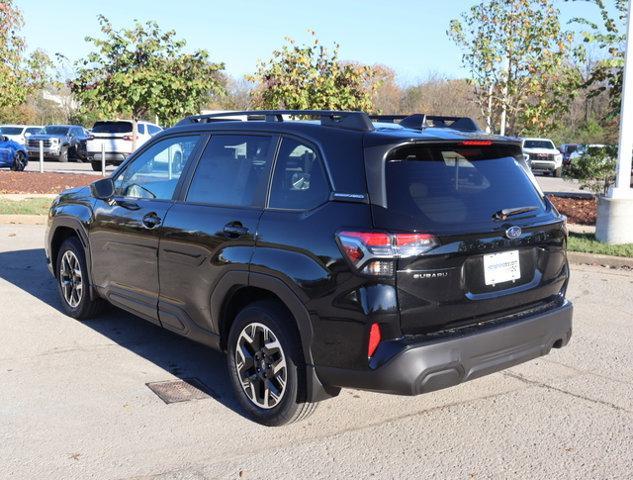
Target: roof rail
332 118
420 121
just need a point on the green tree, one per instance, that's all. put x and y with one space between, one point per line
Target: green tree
609 36
143 71
309 76
517 53
595 169
20 75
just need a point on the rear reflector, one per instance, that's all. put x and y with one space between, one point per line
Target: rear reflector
375 336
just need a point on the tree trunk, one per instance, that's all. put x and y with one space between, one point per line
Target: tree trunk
489 109
504 99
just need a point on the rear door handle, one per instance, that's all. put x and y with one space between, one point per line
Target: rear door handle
235 229
151 220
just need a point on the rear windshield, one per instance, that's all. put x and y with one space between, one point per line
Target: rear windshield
55 130
443 188
539 144
112 127
11 130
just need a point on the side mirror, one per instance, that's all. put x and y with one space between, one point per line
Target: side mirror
103 189
3 138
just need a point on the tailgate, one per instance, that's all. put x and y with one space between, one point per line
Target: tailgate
500 243
112 142
440 292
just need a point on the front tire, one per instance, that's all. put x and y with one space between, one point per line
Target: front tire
72 281
558 173
266 365
96 165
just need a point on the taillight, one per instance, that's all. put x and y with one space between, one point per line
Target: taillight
128 138
374 339
91 137
477 143
374 253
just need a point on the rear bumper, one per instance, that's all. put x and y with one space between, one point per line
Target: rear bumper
544 165
421 368
110 157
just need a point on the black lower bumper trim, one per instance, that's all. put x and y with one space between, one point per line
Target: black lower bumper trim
442 363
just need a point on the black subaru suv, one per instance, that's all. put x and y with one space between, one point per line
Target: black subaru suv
393 254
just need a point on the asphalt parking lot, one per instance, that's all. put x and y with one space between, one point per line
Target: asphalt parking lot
74 401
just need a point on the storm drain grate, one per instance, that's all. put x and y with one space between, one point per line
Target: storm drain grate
184 390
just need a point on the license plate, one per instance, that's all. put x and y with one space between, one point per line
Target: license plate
502 267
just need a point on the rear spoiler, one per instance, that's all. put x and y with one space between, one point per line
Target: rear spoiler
420 121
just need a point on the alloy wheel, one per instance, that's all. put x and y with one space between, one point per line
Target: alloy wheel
71 279
261 365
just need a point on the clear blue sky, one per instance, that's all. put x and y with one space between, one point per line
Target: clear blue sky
408 35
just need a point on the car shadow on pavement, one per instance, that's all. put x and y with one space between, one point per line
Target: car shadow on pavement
182 358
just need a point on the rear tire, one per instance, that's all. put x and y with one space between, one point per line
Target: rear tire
63 156
267 373
72 282
96 165
20 161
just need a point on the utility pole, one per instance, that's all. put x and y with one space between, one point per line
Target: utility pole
615 211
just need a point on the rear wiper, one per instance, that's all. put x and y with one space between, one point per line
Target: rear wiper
509 212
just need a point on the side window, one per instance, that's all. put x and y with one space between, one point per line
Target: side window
155 173
153 129
141 128
299 181
233 171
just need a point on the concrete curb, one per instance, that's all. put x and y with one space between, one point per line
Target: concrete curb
580 258
23 196
23 219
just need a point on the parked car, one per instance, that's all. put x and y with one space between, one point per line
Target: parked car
60 142
12 154
584 148
324 255
19 133
566 150
118 138
543 156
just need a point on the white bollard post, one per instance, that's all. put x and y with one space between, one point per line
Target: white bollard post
103 161
41 156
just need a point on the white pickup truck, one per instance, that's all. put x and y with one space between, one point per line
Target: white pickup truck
543 155
117 136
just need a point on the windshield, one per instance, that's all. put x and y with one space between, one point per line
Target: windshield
112 127
11 130
444 188
55 130
539 144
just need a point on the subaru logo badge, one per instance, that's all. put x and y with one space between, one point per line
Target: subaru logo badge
513 232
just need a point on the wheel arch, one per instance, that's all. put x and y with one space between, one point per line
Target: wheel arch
63 227
266 287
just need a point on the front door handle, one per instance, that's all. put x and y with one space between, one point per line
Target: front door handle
235 229
151 220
